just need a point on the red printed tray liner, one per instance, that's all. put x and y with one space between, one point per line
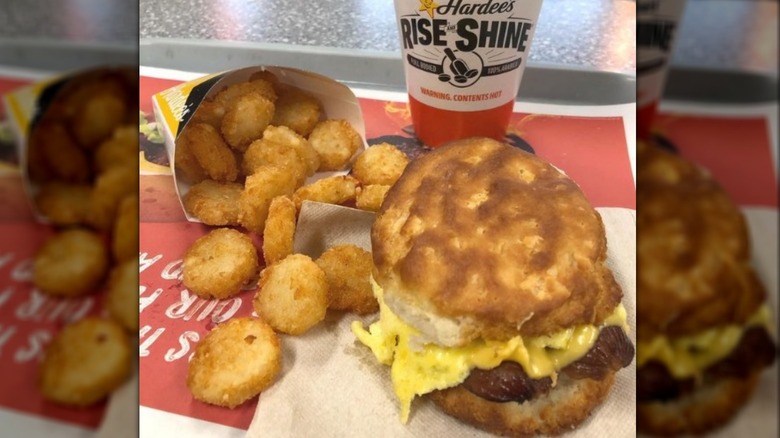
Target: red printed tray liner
593 151
736 150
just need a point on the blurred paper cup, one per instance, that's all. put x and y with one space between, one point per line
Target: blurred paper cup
463 64
656 28
175 107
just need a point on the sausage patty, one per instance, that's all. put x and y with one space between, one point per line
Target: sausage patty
509 382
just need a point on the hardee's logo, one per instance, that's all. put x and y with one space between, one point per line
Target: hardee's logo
427 26
428 6
460 42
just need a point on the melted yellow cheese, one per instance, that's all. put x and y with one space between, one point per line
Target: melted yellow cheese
689 356
418 370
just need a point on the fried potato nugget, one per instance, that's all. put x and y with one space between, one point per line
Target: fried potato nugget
348 268
234 362
213 155
246 119
64 204
232 93
260 188
70 263
214 203
120 149
220 263
279 231
263 152
335 141
296 109
186 166
370 197
85 362
293 295
286 136
37 164
124 239
209 112
65 160
122 296
109 189
98 117
331 190
380 164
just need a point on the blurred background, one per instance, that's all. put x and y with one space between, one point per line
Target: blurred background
40 41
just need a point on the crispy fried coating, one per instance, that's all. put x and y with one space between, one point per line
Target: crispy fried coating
65 160
246 119
380 164
260 188
64 204
234 362
286 136
232 93
124 239
37 164
185 165
262 153
99 115
220 263
297 109
210 112
71 263
292 295
331 190
109 189
279 231
348 268
214 203
120 149
210 151
370 197
85 362
122 296
335 141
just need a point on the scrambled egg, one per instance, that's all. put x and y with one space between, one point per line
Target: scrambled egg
690 355
420 370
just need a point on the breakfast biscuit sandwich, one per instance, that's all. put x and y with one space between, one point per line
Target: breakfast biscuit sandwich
704 328
495 299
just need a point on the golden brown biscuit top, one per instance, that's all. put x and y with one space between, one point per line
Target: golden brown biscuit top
693 250
482 230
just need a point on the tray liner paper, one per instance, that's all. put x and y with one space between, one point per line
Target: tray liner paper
330 384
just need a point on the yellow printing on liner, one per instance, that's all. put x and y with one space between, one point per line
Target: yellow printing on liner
420 370
688 356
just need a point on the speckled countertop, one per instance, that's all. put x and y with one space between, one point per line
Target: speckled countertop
588 33
107 21
593 34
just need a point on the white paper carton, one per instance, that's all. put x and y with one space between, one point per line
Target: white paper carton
174 107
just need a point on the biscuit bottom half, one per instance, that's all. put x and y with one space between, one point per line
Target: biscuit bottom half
559 411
